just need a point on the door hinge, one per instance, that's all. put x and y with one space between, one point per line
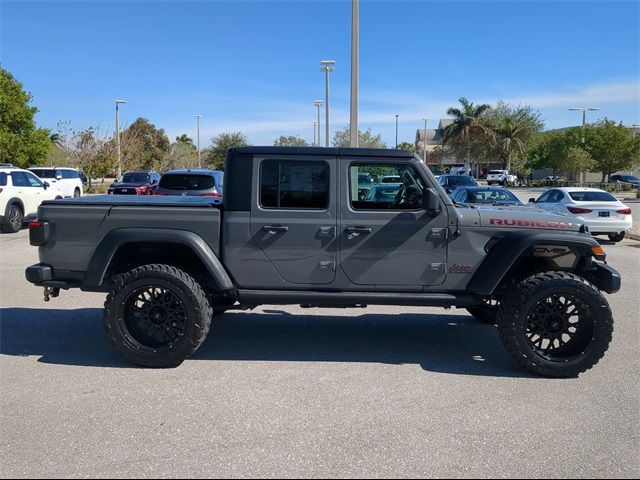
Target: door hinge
440 233
328 266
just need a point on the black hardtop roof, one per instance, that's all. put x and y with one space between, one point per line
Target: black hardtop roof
320 151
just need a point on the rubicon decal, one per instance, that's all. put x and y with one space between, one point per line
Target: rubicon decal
505 222
460 268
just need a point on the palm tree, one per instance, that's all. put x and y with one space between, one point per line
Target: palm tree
512 127
467 124
184 138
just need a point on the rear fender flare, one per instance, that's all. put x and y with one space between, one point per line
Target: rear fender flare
116 239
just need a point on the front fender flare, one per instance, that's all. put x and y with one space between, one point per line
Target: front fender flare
115 239
506 252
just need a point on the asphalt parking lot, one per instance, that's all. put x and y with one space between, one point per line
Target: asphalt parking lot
284 392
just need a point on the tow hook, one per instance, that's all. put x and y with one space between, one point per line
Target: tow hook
51 292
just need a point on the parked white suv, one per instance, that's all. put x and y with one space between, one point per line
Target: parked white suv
66 181
501 177
21 193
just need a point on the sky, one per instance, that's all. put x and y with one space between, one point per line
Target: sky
254 66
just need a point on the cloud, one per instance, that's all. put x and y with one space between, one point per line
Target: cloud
266 119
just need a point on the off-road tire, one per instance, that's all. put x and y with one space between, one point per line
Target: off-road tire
484 313
184 288
517 305
14 219
616 237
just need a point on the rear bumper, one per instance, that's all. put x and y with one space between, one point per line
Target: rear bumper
608 226
43 276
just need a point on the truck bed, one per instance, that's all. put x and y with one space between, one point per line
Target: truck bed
78 226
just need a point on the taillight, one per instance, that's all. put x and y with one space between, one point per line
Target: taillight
214 194
622 211
577 210
38 233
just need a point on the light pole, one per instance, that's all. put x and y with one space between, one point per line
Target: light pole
424 143
198 138
319 104
355 73
584 124
584 118
315 134
397 130
633 128
118 102
327 66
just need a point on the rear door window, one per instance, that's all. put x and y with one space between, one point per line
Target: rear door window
3 179
294 185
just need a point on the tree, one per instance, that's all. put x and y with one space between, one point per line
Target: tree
511 127
216 153
577 160
184 139
143 145
21 142
467 124
290 141
182 154
92 153
409 147
612 147
366 139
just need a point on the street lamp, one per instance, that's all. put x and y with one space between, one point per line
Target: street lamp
315 134
327 66
198 138
584 117
424 143
584 123
355 73
318 104
634 127
397 130
118 102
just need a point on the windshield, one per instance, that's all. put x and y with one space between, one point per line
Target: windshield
629 178
461 180
390 179
187 182
365 178
135 177
383 193
44 172
492 196
592 197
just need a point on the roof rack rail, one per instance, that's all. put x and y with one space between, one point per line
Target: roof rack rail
8 165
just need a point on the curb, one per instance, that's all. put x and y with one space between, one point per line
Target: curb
633 236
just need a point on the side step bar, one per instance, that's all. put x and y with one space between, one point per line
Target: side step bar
278 297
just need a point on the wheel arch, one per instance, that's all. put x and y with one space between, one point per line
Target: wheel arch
10 202
114 253
515 252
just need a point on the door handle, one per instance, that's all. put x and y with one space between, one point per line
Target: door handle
273 229
327 232
354 232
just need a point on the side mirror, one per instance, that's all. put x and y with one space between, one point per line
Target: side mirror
532 200
431 202
58 177
46 185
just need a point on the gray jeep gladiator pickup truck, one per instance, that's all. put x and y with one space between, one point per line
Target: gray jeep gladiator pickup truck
295 228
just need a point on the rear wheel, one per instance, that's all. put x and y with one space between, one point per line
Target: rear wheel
616 237
555 324
157 315
14 219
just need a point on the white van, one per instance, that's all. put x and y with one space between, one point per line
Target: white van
65 181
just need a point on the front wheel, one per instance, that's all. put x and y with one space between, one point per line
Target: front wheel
616 237
555 324
157 315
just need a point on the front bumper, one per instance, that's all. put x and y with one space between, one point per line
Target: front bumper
606 278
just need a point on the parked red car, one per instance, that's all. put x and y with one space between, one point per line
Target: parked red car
140 182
